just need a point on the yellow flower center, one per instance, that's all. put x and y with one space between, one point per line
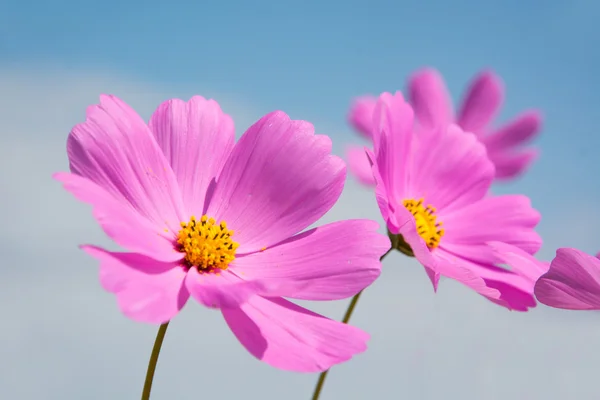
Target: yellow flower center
427 226
207 246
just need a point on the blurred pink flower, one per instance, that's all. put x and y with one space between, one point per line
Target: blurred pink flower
572 282
432 106
206 217
432 188
482 101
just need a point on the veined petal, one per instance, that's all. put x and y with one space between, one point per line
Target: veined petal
359 165
147 290
279 179
330 262
196 138
115 149
572 282
292 338
122 224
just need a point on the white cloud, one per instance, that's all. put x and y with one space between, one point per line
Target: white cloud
62 336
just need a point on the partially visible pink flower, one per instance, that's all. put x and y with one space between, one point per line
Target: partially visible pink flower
361 118
572 282
482 101
432 190
206 217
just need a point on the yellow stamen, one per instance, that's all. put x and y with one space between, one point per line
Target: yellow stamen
207 246
425 218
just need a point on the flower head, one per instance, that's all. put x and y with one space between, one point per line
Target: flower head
429 98
432 190
572 282
203 216
482 101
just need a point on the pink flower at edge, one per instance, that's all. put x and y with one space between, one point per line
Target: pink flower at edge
572 282
147 182
361 118
482 100
432 190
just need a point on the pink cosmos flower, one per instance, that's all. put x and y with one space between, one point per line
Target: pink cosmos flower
572 282
432 106
481 103
206 217
432 188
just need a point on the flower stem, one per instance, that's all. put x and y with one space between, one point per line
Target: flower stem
347 317
162 330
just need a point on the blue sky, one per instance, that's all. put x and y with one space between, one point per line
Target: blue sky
309 59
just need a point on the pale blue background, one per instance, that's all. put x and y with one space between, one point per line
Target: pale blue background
62 336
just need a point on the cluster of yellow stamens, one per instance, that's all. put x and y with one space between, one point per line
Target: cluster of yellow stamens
427 226
207 246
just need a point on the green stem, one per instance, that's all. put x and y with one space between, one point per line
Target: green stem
153 360
347 317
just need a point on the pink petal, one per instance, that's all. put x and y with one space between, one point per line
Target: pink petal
457 269
361 114
509 219
481 103
400 221
196 138
520 262
515 286
126 227
292 338
511 296
429 98
509 166
517 132
359 165
331 262
222 290
450 169
279 179
392 138
147 290
572 282
115 149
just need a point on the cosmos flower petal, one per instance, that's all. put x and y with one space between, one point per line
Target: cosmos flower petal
450 167
359 165
331 262
430 99
115 149
292 338
572 282
147 290
511 165
196 138
482 101
126 228
520 130
361 114
514 290
222 290
509 219
279 179
520 262
392 140
460 272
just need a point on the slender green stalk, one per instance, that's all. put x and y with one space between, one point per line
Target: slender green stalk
347 317
154 360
